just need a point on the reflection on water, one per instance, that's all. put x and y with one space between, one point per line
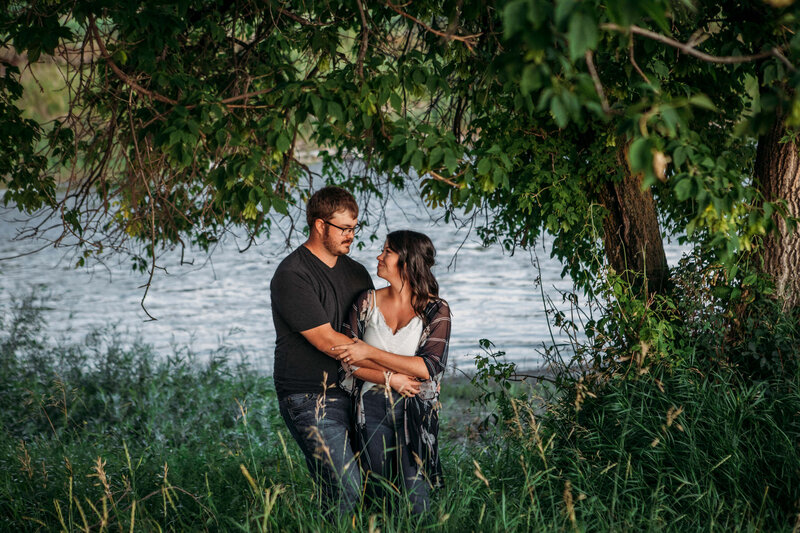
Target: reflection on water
225 297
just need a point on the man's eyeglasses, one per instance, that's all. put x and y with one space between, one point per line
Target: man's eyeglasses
345 231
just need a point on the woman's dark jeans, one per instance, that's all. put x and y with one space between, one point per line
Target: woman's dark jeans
386 453
321 425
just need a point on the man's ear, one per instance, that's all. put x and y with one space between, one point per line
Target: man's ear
319 226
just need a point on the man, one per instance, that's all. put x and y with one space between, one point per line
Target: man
311 292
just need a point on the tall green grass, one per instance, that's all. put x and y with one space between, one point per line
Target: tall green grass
102 436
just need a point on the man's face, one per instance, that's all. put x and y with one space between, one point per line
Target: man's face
333 238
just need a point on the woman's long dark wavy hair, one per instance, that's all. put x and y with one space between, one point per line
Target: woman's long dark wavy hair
415 258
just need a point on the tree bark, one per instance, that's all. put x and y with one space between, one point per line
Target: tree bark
632 237
777 175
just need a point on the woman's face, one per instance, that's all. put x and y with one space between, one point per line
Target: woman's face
387 264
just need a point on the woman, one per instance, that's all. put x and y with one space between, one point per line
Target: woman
403 329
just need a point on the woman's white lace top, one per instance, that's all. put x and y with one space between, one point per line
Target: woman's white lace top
378 334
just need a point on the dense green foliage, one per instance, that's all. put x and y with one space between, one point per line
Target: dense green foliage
676 439
188 116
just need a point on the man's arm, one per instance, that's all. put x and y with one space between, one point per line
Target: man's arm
359 353
324 337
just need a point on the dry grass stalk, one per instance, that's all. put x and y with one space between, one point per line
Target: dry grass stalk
25 458
570 507
479 474
672 414
373 524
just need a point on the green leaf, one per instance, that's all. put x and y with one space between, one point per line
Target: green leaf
657 13
582 35
538 11
417 160
559 112
336 110
411 146
514 16
396 101
671 120
484 165
701 100
679 156
640 155
683 189
436 156
33 54
283 143
563 9
531 79
450 161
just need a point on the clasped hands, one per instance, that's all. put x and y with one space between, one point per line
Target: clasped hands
359 350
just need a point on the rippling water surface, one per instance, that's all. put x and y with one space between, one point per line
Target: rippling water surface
224 297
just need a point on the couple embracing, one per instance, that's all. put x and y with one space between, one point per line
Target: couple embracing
357 370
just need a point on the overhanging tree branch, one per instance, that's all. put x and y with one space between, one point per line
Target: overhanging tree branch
124 77
690 50
439 177
364 41
468 40
152 94
598 85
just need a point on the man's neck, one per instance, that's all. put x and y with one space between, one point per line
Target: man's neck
321 253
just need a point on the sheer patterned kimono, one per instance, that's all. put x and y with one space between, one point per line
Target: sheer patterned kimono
421 411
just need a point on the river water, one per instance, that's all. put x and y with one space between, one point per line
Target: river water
223 297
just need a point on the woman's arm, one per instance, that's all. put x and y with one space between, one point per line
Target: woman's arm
368 370
364 355
357 352
430 359
435 347
401 383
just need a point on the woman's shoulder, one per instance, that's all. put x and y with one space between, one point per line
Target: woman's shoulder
437 301
365 300
379 293
437 306
365 295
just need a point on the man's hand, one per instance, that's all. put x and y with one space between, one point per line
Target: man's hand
352 353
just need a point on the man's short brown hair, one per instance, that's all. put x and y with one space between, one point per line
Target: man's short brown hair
327 201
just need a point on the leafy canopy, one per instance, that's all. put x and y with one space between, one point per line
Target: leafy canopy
187 117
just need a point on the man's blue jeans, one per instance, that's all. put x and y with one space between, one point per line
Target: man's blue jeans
322 426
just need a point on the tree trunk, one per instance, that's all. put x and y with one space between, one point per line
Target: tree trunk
777 175
632 236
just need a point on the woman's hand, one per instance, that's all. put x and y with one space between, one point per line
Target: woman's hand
404 385
352 353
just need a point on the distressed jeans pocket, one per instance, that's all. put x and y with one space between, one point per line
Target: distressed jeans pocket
301 406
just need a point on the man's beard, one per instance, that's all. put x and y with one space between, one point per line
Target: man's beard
333 245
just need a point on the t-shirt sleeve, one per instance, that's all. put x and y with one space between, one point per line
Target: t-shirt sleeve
294 299
367 279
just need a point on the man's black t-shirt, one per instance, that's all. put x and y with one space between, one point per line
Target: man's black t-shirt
307 293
